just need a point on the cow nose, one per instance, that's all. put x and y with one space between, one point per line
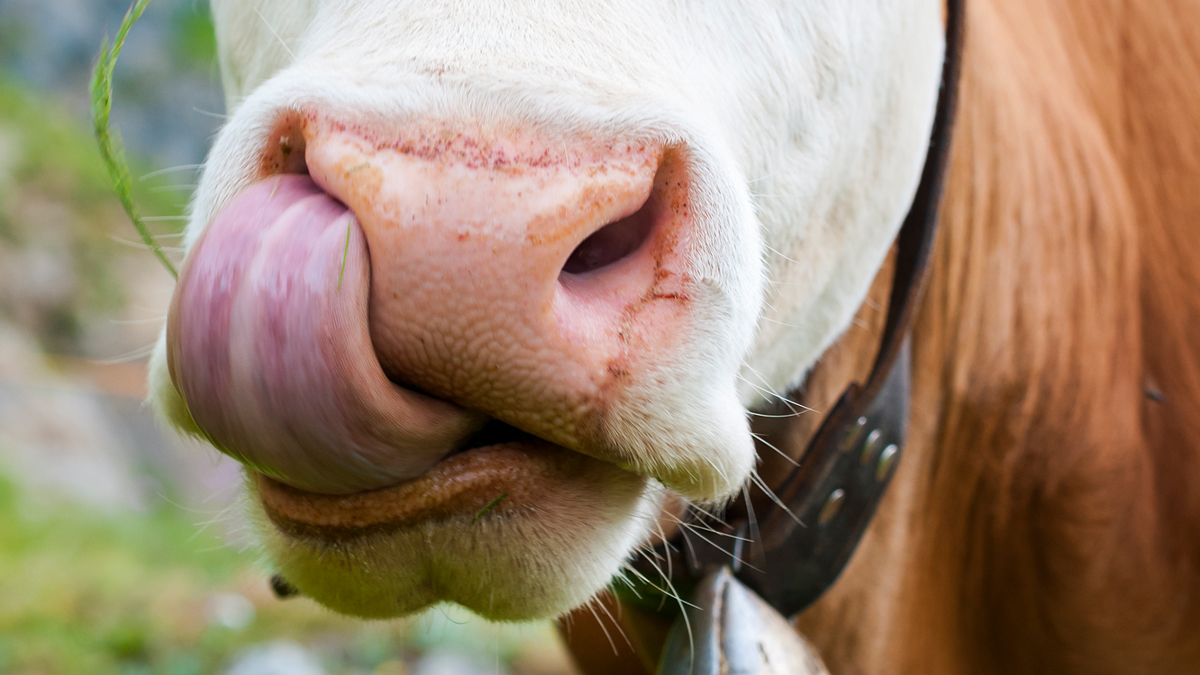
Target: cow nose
520 278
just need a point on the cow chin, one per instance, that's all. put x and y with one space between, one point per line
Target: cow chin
556 536
513 532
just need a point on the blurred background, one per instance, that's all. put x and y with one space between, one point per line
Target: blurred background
123 549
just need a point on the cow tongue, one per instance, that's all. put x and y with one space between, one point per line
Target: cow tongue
269 346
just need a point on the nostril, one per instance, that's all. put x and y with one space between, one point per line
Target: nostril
612 243
285 149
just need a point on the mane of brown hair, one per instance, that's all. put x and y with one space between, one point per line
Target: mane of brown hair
1046 517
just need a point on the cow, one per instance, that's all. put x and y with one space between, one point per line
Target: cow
481 293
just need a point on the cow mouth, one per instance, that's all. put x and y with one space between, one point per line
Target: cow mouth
490 473
315 418
499 473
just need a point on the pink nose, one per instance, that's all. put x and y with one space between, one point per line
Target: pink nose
532 281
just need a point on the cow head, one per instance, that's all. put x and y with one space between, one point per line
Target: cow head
473 287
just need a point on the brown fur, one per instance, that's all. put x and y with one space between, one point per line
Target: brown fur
1046 516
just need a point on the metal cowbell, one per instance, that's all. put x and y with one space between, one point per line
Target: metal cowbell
729 630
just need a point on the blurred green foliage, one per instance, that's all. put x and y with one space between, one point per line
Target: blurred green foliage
82 592
48 157
58 156
131 593
194 41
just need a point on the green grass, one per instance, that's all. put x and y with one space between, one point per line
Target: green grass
58 157
124 593
194 43
111 148
82 592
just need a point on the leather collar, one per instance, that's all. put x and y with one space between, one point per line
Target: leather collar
802 544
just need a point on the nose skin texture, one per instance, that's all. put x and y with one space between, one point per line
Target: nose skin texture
469 232
268 344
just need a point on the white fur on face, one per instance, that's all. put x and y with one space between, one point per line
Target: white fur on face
805 124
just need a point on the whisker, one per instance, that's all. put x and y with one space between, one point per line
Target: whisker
781 255
750 517
769 394
136 322
617 625
140 246
762 485
693 526
709 541
666 542
706 514
776 394
172 169
172 188
673 593
591 608
777 322
781 453
761 178
272 29
776 417
209 113
128 357
162 219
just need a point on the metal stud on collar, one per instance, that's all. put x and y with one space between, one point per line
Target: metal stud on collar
872 443
853 434
832 506
886 459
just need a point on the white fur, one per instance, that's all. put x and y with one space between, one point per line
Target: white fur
806 123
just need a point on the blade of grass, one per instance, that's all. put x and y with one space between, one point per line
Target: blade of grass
489 507
111 148
345 253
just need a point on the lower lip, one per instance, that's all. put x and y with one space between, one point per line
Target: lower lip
495 480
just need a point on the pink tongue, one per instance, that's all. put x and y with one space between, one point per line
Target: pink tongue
270 348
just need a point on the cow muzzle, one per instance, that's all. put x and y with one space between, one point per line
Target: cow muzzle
378 302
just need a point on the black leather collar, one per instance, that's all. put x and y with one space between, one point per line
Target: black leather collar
802 544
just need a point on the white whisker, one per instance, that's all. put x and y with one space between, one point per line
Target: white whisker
781 255
172 188
776 417
272 29
776 394
591 608
128 357
210 113
762 485
160 219
140 246
781 453
171 169
750 517
617 624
